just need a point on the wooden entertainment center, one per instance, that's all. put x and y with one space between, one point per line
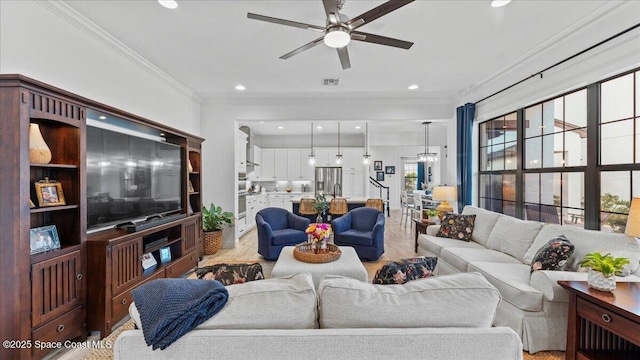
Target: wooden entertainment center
85 284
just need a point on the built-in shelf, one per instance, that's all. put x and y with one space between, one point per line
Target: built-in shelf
53 208
55 166
64 249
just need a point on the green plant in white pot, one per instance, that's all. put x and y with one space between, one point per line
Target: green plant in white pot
213 220
603 270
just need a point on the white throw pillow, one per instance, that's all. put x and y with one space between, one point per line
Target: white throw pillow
458 300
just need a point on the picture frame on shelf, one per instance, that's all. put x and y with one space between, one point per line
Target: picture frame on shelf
43 239
49 193
390 170
379 175
31 204
377 165
165 254
148 260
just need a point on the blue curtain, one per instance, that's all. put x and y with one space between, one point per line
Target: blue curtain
464 116
421 176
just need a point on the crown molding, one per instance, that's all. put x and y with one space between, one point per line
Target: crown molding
67 13
541 49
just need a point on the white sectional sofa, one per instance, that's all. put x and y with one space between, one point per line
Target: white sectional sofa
502 249
442 318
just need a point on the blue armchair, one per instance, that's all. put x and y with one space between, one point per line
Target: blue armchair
278 228
363 229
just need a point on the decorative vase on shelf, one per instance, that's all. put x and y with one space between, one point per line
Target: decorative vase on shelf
319 219
189 166
598 281
39 152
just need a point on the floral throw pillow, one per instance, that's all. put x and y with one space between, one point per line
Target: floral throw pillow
553 255
455 226
229 274
401 271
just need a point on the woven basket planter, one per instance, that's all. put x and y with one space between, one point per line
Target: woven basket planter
212 242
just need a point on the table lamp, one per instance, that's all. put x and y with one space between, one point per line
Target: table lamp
444 194
633 221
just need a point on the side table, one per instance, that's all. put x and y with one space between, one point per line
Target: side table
603 325
421 228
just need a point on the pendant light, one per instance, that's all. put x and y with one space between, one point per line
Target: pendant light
366 158
427 156
312 156
338 155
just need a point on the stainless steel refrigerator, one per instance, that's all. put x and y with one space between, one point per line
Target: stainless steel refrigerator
329 180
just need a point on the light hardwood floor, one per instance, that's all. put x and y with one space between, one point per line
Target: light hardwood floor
398 244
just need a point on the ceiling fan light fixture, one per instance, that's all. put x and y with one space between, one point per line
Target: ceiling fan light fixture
169 4
499 3
337 37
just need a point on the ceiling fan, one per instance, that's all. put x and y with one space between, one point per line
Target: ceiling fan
340 30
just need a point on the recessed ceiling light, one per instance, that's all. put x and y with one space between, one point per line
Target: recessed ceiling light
280 127
102 117
357 127
413 87
169 4
261 122
499 3
240 87
319 127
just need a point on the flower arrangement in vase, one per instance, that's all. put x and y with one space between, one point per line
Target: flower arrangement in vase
318 235
603 270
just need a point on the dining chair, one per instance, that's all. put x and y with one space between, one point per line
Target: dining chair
407 208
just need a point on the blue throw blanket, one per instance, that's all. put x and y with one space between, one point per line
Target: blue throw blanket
169 308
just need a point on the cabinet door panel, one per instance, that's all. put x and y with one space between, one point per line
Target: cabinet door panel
189 236
281 163
126 267
55 287
267 168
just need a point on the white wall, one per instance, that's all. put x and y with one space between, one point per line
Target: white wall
67 51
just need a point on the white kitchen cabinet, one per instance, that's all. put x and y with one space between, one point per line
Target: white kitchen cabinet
323 158
287 201
241 226
281 164
277 200
353 184
352 159
241 151
251 211
268 165
298 165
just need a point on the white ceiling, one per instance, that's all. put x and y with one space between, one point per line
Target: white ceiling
211 46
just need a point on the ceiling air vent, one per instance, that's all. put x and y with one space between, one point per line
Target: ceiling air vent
331 82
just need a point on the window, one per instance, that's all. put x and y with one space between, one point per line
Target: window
548 181
410 176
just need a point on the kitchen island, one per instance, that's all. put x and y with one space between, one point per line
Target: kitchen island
352 203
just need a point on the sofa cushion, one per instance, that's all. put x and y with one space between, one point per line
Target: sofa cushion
553 255
404 270
588 241
456 226
513 282
485 220
460 258
458 300
357 237
514 236
288 236
435 244
229 274
280 303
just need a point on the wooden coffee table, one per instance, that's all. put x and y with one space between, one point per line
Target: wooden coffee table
421 228
348 265
603 325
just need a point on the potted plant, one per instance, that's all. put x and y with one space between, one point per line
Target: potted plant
602 270
320 206
212 221
430 214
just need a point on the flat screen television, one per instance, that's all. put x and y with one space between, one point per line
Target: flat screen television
130 178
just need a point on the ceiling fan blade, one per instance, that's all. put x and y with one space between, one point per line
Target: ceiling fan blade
382 40
285 22
344 58
376 12
331 7
303 48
